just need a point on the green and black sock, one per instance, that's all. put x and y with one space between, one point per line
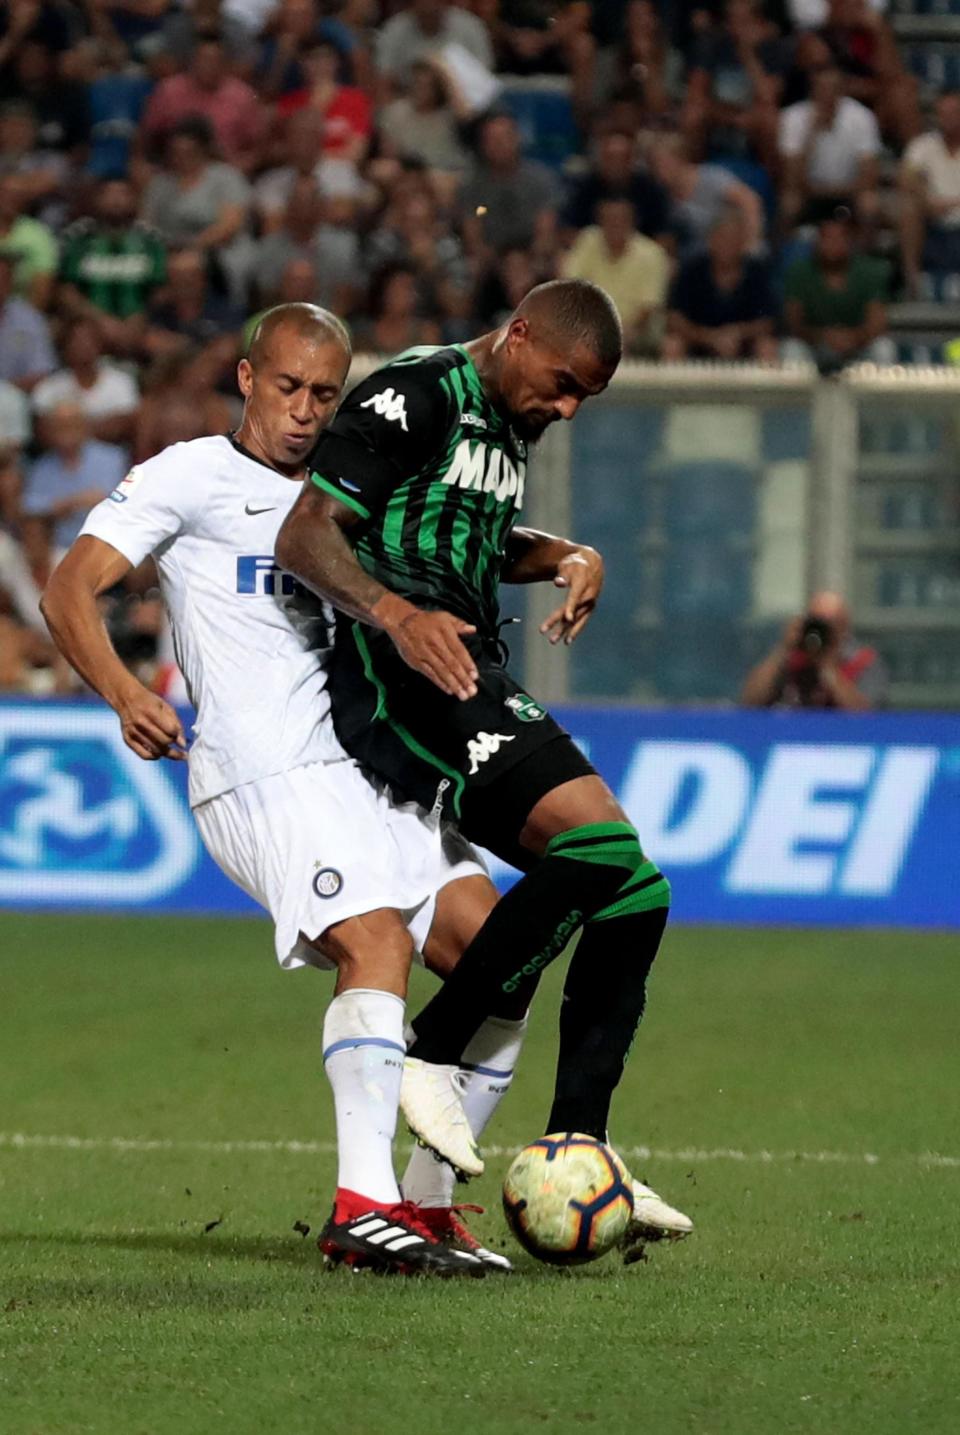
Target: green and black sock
580 874
603 1000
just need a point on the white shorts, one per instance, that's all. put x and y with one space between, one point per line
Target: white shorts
319 844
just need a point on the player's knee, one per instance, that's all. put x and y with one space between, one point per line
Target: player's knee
372 950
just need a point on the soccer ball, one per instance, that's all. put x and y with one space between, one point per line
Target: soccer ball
568 1198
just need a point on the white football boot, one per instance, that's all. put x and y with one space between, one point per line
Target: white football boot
430 1101
653 1220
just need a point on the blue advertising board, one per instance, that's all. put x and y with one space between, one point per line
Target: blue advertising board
805 819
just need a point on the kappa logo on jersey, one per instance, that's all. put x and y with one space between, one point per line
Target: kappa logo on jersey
525 708
126 486
486 470
390 406
484 746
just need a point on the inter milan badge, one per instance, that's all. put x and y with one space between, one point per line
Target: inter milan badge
327 882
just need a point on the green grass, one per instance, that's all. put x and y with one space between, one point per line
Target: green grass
815 1296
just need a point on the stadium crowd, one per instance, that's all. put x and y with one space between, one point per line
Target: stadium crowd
749 181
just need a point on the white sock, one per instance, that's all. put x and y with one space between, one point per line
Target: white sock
363 1051
488 1063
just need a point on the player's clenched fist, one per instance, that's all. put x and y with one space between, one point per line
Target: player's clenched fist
432 643
150 726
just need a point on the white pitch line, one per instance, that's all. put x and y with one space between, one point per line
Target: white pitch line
21 1141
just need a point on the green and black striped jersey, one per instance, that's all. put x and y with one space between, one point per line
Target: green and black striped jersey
116 270
436 475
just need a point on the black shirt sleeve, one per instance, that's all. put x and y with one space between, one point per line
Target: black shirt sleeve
388 429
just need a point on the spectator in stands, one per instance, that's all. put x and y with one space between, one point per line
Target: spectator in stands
836 310
413 235
198 201
548 37
235 116
507 202
829 146
177 383
395 322
345 111
294 30
26 353
111 267
28 242
504 286
650 68
633 269
930 197
721 304
300 143
193 312
60 102
615 174
736 76
425 26
46 24
63 485
117 93
818 664
698 194
333 251
43 173
423 122
105 393
861 43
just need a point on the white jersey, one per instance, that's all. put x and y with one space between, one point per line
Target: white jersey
249 640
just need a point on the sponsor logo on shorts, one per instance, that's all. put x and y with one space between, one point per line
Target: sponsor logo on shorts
437 807
526 709
327 882
484 746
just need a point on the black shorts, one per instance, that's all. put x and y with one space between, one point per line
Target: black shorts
484 763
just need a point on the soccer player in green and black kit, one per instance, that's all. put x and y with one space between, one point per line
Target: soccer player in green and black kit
407 527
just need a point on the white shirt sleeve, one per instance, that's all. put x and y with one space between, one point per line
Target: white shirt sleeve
867 141
794 123
916 156
156 501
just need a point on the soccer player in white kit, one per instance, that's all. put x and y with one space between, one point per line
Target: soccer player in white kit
351 879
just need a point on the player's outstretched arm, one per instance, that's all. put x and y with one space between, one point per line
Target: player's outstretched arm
149 725
313 545
534 557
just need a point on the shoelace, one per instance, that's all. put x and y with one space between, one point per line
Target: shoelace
444 1221
409 1214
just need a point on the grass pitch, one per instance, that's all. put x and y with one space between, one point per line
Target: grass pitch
793 1088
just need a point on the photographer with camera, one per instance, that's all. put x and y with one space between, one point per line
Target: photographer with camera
818 664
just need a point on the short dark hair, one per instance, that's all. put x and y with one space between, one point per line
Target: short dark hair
577 312
306 321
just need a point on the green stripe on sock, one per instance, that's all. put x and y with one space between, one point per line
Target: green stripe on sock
590 830
643 899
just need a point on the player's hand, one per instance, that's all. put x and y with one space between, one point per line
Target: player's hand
581 574
432 644
150 726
